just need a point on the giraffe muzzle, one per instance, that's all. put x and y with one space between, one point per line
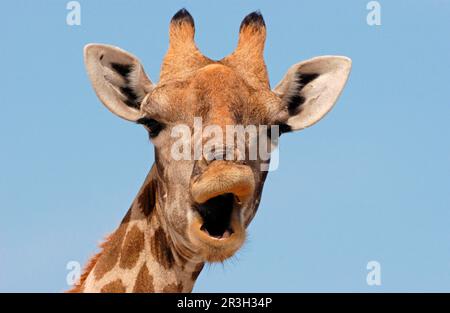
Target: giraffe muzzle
219 195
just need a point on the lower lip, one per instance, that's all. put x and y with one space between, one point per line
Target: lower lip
226 235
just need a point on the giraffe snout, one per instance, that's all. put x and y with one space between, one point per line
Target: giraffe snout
221 178
218 194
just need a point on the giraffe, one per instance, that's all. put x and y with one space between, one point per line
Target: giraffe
192 211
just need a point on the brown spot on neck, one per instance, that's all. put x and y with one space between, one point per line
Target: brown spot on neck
173 288
115 286
161 249
132 247
144 281
197 271
147 196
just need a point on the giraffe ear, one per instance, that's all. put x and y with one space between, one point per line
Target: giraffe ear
311 88
118 79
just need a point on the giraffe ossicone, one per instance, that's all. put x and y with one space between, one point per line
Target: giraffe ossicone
195 210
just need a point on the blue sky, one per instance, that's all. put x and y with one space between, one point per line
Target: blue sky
369 182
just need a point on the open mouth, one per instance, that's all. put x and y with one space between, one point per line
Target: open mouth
217 214
220 196
216 228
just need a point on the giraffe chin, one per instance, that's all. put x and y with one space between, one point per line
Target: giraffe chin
214 248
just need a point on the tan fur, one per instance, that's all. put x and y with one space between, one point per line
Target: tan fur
183 56
248 58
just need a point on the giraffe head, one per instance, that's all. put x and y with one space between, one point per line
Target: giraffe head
207 199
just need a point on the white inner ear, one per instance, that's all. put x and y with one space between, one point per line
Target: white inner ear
109 84
320 94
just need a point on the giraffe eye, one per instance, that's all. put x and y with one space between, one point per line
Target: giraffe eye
152 125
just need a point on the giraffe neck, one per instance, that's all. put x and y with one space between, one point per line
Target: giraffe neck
140 256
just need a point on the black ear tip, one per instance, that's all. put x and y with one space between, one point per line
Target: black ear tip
183 16
254 18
